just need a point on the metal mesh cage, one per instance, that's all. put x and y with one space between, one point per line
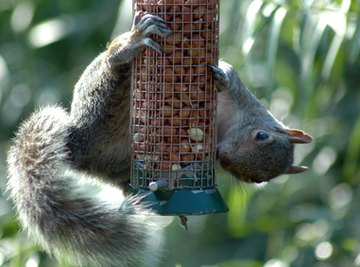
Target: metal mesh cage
173 103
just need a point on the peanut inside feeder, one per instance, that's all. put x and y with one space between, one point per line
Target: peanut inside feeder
173 111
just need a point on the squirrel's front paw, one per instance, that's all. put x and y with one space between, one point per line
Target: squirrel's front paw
148 24
221 79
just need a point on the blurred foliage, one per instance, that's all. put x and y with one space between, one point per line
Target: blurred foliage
301 58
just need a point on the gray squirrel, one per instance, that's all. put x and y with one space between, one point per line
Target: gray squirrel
252 144
56 153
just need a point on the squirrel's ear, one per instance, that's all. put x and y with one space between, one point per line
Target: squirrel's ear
296 169
298 136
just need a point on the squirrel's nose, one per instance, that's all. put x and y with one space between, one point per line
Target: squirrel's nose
223 157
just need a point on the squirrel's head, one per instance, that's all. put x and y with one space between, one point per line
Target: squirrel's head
257 155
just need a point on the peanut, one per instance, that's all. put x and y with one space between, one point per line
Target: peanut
196 134
173 95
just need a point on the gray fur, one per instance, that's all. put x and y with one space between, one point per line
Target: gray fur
56 156
240 116
63 217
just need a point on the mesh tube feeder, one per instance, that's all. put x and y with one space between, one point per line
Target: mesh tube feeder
173 111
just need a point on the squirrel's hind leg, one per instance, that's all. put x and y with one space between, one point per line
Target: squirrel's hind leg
126 46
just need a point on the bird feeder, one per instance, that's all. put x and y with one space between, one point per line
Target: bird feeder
173 111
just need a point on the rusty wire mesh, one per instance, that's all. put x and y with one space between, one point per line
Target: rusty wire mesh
173 103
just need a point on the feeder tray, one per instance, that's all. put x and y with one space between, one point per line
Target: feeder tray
173 111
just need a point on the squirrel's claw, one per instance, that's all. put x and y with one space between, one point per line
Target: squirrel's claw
144 25
149 42
149 24
155 29
221 79
137 17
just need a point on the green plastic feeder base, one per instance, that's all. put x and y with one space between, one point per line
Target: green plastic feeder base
194 201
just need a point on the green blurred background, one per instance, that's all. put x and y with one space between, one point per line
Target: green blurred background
301 58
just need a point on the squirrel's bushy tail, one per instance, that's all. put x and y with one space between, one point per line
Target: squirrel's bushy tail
64 215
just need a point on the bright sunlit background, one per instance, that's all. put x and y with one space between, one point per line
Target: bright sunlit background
301 58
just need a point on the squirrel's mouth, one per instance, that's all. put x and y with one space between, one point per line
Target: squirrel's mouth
230 167
247 179
235 169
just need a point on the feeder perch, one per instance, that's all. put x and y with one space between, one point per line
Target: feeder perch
173 111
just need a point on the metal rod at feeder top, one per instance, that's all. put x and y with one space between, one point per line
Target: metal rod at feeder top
174 99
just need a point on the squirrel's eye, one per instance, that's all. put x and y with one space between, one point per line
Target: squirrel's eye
261 136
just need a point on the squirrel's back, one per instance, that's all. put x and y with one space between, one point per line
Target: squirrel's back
62 213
